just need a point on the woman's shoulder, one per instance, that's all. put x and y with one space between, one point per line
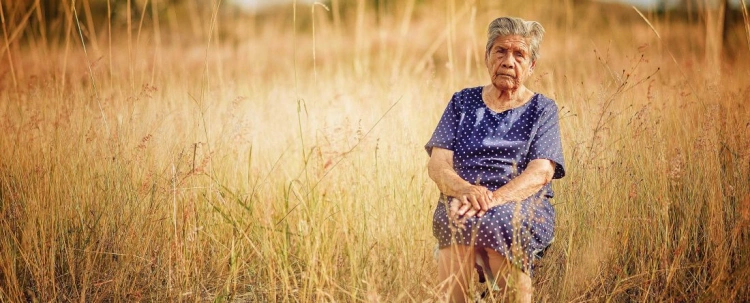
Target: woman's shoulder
474 91
467 98
544 103
470 94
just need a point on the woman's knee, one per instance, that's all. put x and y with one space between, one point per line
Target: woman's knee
498 263
509 277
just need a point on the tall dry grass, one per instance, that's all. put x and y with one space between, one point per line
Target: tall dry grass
197 154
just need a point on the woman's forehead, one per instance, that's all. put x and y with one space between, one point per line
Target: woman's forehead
512 41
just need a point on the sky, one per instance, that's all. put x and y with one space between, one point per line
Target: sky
652 3
259 5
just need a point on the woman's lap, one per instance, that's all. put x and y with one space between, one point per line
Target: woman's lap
510 229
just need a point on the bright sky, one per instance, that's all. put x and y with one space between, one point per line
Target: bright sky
256 5
669 3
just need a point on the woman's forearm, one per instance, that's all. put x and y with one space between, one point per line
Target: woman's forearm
537 174
440 168
446 178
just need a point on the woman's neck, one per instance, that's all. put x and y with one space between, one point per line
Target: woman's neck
501 100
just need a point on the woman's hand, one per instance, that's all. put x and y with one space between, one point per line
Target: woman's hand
474 201
473 197
440 169
459 211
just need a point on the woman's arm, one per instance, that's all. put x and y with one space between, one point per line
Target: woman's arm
537 174
440 168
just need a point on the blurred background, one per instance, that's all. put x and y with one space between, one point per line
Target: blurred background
260 151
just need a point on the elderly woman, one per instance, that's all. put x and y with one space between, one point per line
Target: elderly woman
493 155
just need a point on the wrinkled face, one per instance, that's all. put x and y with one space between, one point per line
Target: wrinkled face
509 62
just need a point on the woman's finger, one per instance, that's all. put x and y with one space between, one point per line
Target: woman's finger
490 199
464 201
453 208
483 202
469 213
464 207
474 201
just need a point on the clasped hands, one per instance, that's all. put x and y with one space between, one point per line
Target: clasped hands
472 200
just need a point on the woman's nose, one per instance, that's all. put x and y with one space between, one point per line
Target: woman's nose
506 62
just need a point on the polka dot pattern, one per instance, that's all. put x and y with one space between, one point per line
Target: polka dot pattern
489 149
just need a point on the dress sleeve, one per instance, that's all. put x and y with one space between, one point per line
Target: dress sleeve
444 135
546 143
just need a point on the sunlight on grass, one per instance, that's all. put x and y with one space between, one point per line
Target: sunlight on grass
196 154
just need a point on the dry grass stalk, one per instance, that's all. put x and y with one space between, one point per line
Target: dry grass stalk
238 166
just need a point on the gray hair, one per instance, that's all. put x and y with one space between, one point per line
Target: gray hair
509 26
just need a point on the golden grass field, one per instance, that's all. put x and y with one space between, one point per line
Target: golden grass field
191 153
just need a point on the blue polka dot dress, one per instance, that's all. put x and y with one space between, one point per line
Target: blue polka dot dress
490 149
